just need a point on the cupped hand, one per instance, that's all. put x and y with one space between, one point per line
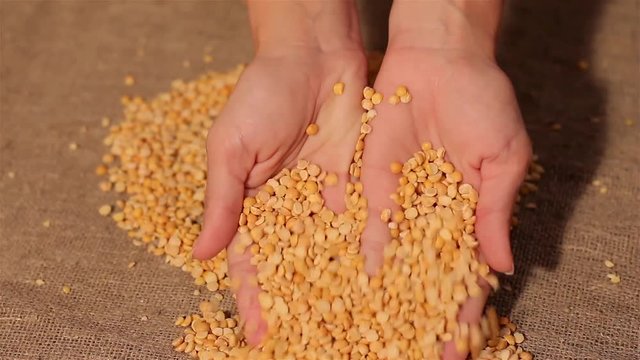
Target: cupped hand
262 130
466 104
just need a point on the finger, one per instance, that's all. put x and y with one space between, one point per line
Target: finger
333 195
376 233
379 182
227 169
244 279
332 147
470 313
501 177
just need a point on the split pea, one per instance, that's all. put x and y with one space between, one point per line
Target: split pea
376 98
331 179
129 80
368 93
312 129
396 167
614 278
105 210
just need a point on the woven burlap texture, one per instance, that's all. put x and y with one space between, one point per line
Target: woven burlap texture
62 65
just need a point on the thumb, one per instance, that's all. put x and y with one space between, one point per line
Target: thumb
501 177
227 168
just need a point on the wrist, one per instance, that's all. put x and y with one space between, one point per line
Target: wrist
297 27
466 26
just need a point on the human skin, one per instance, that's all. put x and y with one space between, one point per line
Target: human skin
441 50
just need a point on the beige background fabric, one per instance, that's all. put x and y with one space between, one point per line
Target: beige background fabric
61 68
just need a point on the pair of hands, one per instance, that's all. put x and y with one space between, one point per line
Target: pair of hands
461 102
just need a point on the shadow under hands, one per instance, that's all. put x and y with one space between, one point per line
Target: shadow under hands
541 46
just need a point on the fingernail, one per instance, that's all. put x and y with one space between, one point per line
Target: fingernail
510 272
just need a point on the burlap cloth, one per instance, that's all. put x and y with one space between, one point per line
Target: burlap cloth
62 65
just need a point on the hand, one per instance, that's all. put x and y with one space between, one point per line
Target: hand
463 102
443 52
262 130
302 50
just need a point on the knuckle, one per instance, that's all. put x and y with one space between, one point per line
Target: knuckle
223 144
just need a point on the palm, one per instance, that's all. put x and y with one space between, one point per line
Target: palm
468 108
272 106
465 106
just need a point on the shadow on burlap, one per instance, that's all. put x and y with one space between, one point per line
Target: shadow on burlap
61 68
